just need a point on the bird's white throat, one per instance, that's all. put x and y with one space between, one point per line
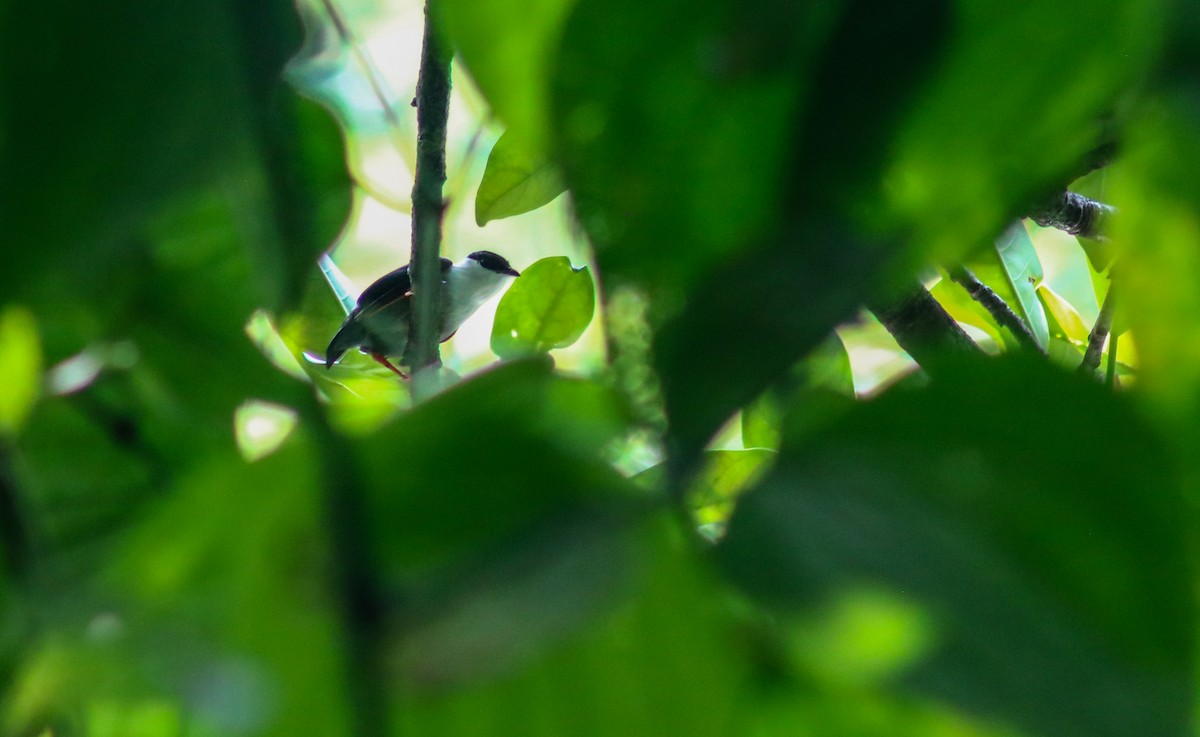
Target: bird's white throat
469 285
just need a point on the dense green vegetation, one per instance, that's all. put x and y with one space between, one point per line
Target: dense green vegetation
205 532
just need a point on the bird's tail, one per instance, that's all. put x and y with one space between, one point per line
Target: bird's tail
350 335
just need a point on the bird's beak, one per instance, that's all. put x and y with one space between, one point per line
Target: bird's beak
512 272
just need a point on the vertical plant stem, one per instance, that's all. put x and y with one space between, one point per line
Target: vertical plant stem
433 112
1095 346
1110 378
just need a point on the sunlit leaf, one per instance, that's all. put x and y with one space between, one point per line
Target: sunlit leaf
261 427
20 367
515 181
1065 315
1159 235
1023 270
548 307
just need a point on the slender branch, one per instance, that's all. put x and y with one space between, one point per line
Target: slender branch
433 112
1110 375
1074 214
374 78
1095 346
996 307
923 328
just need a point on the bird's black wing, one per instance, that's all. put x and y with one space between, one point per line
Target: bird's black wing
386 289
391 287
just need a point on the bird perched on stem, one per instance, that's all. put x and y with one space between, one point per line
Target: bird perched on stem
379 326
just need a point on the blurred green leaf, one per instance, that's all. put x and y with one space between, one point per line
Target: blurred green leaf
1019 260
508 51
487 459
1037 104
723 351
1066 317
208 110
1050 559
217 589
515 181
828 368
656 661
548 307
725 474
1158 235
524 597
659 134
20 367
748 272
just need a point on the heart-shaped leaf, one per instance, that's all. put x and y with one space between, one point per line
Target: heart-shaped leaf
548 307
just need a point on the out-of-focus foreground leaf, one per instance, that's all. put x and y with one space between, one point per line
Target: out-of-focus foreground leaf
158 183
20 367
507 48
505 451
656 659
1049 556
825 369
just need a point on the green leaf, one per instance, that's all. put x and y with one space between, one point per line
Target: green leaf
508 50
505 451
827 369
515 181
196 572
1023 269
960 177
724 476
723 158
1049 557
1158 234
20 368
122 147
657 658
548 307
1074 329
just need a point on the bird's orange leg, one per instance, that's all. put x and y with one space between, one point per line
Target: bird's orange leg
382 359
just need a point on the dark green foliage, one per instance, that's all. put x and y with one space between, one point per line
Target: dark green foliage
1059 598
995 547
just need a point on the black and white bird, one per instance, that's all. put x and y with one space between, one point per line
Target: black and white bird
379 325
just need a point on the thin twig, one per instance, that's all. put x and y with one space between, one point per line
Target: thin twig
374 78
1100 331
1110 375
996 306
433 112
